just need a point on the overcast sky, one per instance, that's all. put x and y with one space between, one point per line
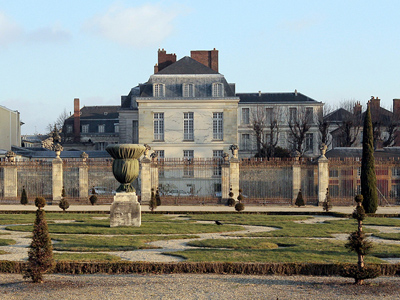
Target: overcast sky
54 51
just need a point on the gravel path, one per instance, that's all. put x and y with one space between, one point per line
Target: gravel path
195 286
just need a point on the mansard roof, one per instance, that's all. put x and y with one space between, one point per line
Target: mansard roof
274 98
98 112
186 65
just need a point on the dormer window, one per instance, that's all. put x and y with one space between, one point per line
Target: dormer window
159 90
217 89
188 90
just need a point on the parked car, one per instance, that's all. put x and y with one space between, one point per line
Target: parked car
178 193
100 190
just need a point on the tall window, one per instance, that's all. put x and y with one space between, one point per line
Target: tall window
69 129
188 168
160 158
135 132
293 114
159 126
101 128
217 89
217 158
116 127
85 128
245 115
188 129
159 90
309 115
309 142
269 115
188 90
218 123
245 141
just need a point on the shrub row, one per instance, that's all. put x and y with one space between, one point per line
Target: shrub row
71 267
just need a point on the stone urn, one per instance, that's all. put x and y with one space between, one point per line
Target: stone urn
125 165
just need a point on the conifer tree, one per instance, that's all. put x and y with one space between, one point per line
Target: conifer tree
299 200
40 255
64 204
24 196
368 176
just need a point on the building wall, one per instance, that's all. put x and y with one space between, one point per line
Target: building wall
174 109
10 128
281 113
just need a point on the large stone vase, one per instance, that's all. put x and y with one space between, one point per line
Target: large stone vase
125 165
125 210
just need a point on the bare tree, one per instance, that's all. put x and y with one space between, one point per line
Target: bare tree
59 123
265 124
350 124
324 125
299 122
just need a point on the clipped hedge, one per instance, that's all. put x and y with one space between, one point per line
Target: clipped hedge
71 267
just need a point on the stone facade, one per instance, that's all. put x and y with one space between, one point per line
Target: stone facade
10 128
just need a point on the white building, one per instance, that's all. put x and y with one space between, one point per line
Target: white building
10 128
188 109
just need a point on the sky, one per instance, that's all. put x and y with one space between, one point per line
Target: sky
332 51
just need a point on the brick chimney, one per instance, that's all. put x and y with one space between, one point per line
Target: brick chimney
207 58
164 60
375 105
77 121
357 108
396 109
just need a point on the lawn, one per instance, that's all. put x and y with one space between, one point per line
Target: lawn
293 240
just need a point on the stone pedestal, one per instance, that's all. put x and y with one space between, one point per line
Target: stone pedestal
10 182
57 180
296 181
323 178
125 210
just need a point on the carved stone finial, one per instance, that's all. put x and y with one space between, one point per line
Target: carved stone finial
84 156
11 156
225 156
323 149
146 151
154 156
234 148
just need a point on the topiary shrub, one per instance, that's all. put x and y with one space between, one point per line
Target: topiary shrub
239 206
153 201
327 205
158 198
40 254
64 204
358 243
93 199
231 201
299 200
40 202
24 197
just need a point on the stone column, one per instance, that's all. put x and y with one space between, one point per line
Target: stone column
225 180
83 180
234 176
323 178
145 178
57 179
296 183
154 175
10 182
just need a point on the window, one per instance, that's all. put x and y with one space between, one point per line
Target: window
293 115
101 128
188 90
217 90
245 141
269 116
188 130
218 122
159 90
116 127
69 129
85 128
309 142
396 172
135 132
160 159
159 126
160 154
217 157
188 168
309 115
245 115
